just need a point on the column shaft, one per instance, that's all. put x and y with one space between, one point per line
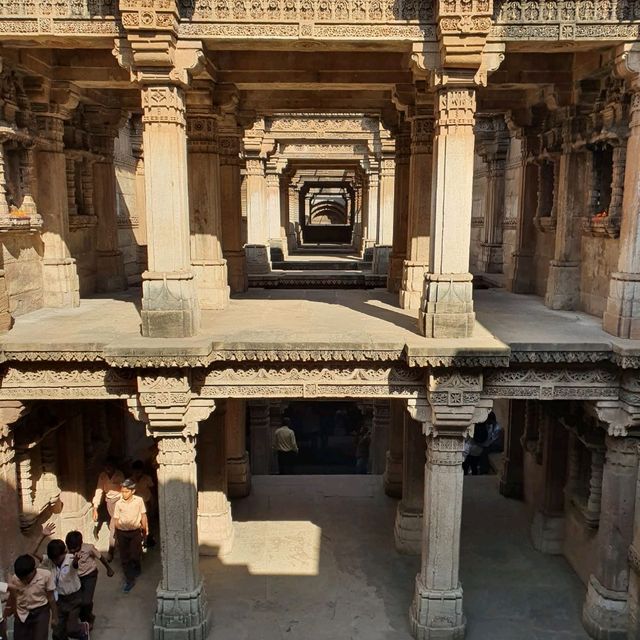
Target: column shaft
257 247
169 300
393 468
419 213
238 470
379 436
408 526
512 476
205 215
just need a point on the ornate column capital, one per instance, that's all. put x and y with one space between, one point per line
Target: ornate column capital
103 124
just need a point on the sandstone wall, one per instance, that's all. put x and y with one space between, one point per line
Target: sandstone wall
599 260
82 245
22 258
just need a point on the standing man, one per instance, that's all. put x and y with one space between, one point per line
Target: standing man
108 489
284 442
131 525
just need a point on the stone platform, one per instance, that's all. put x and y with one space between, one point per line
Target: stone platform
314 560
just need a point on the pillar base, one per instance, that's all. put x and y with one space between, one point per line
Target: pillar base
437 615
407 531
180 615
169 305
238 477
492 257
563 285
394 281
211 283
237 270
605 612
110 271
412 286
547 533
392 477
447 309
61 287
215 530
258 260
381 255
622 315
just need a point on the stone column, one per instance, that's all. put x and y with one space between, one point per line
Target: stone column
393 469
563 283
408 526
512 475
110 263
382 250
229 137
273 212
238 470
6 321
418 230
257 247
446 309
605 612
285 224
493 150
260 434
622 315
373 207
172 416
169 299
454 404
61 287
215 526
379 436
10 412
400 209
205 214
547 528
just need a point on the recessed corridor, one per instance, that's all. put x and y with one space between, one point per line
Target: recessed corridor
314 558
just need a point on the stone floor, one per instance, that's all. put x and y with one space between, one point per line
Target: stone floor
314 560
293 319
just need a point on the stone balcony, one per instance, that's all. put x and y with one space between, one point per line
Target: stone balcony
317 326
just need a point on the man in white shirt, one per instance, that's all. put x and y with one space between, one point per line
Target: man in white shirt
284 442
107 489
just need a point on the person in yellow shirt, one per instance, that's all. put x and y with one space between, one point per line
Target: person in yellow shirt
108 489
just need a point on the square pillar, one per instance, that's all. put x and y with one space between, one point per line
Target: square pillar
238 469
392 477
257 247
512 475
446 309
408 525
418 228
205 215
605 614
379 436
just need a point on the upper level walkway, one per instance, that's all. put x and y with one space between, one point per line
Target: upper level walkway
319 325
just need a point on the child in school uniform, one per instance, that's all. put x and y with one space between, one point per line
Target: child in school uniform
86 555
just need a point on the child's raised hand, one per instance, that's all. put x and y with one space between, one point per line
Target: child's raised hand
48 529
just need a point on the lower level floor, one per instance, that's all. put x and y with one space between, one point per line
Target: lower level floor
314 559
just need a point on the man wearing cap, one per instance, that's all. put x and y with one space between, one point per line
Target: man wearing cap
130 522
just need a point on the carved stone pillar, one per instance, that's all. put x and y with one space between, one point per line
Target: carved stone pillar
229 137
454 405
622 315
110 263
238 470
10 412
512 475
446 309
215 526
563 283
382 249
172 416
408 526
273 212
370 235
205 215
257 247
547 528
393 468
400 208
605 613
379 436
418 229
169 299
493 149
260 434
61 287
6 321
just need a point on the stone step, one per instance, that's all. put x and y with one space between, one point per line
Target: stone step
317 280
319 265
